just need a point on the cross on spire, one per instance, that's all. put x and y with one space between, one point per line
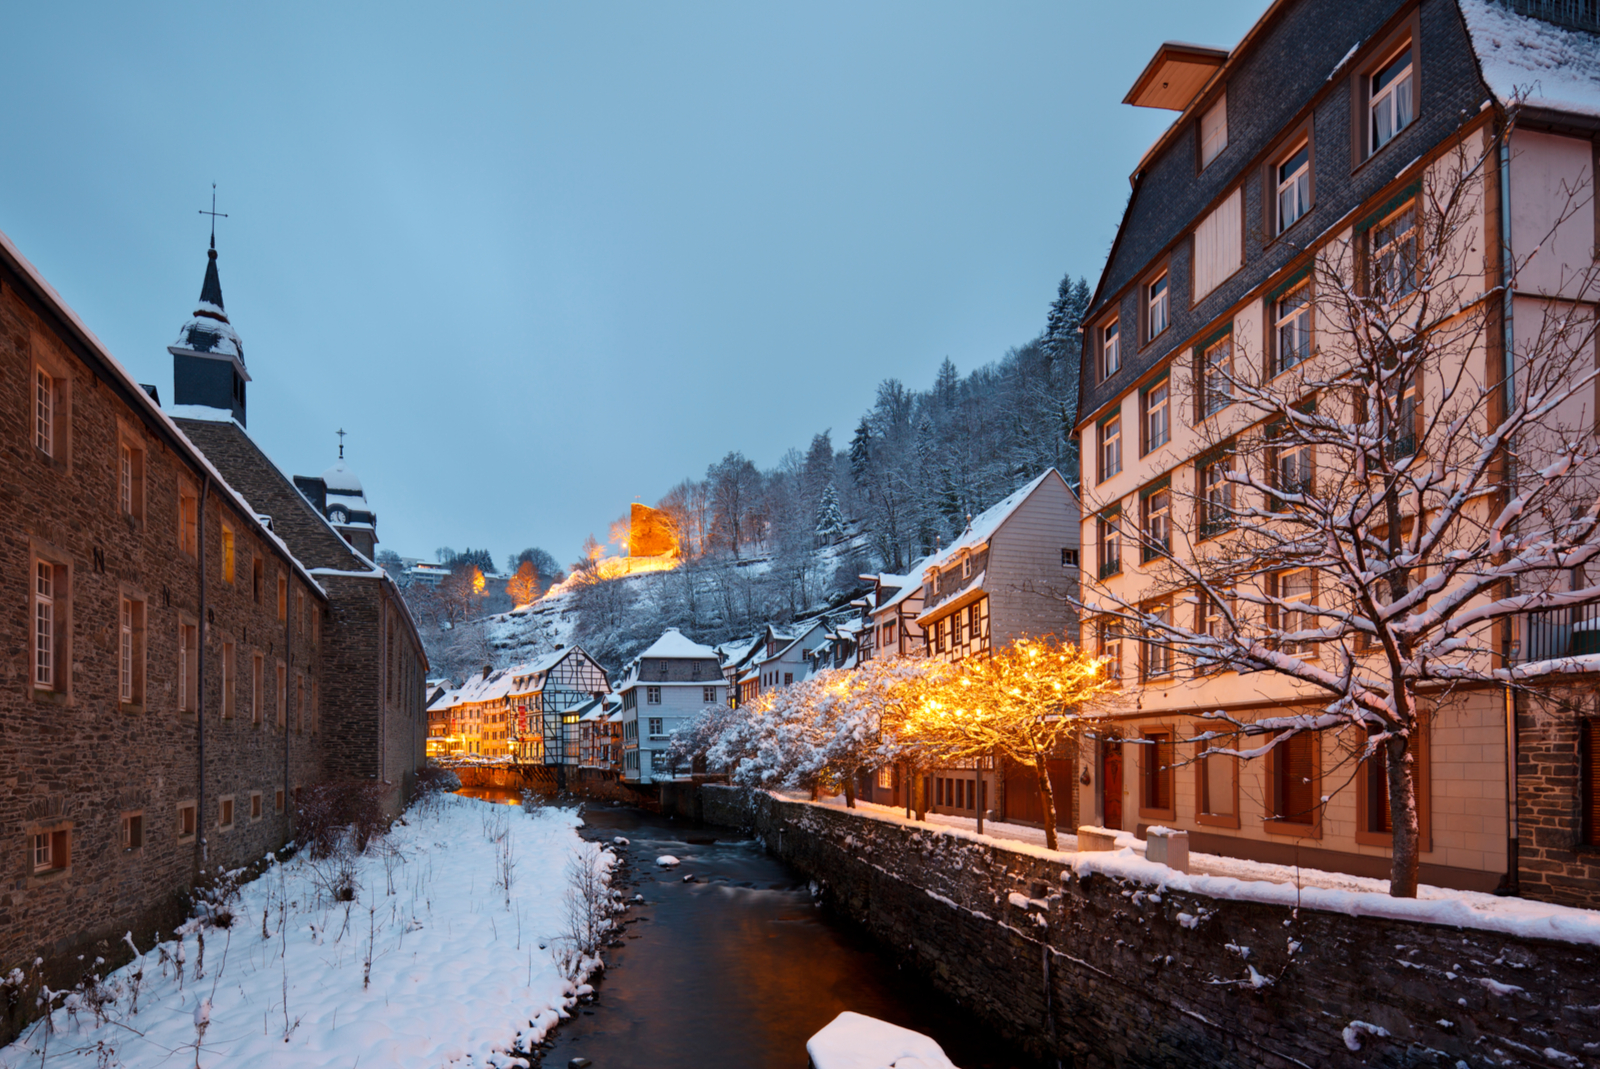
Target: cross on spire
214 214
340 433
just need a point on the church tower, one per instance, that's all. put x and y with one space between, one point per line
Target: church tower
208 359
338 494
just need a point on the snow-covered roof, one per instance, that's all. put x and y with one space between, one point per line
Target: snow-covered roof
209 331
673 643
912 587
1552 67
987 522
936 608
735 653
341 480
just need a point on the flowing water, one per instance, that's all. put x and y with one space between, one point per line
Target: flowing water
738 967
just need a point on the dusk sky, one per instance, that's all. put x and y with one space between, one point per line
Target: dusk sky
541 261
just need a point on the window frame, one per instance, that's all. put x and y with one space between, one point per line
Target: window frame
1150 407
1109 640
131 831
188 664
188 821
1110 347
1205 363
1288 146
188 517
1149 537
1202 786
1103 439
1276 319
131 473
227 813
55 367
282 681
1202 162
1207 525
227 552
258 689
1279 622
230 679
1403 84
1405 35
57 604
55 837
1273 822
1148 673
1153 774
652 695
257 809
1149 302
1372 253
1108 542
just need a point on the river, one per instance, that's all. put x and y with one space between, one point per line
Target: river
737 967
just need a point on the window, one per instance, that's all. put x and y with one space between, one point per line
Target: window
312 707
300 622
1292 467
44 423
1296 587
130 479
52 849
1391 107
1217 784
1156 307
130 652
1110 349
1157 415
277 800
660 761
1214 131
1109 637
887 635
1293 773
886 779
299 703
132 831
227 554
283 599
966 567
708 695
1157 651
257 671
1402 432
255 806
1216 496
1292 318
283 695
188 667
186 821
652 695
229 683
1218 245
1155 774
1157 524
225 812
1069 558
1216 381
1109 539
1110 448
188 519
1294 187
255 578
788 678
1393 258
1213 614
49 626
656 731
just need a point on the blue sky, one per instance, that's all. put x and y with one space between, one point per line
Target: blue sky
543 260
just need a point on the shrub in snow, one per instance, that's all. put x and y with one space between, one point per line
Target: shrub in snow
328 811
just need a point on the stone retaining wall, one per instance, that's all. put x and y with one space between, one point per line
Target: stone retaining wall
1106 972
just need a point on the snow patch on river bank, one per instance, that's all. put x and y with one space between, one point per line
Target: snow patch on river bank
440 959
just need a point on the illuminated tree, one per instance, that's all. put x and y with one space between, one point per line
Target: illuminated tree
523 587
1025 702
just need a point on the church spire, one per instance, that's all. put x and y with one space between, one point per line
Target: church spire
208 358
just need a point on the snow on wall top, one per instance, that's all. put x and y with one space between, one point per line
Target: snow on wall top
1556 68
672 643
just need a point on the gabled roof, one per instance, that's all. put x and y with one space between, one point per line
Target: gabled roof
673 644
986 523
1557 68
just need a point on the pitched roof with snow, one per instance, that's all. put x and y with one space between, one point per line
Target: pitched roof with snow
1548 66
673 643
986 523
209 331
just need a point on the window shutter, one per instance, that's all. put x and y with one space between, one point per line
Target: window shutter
1218 244
1297 769
1214 130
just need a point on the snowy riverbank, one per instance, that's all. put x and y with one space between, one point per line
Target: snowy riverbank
436 961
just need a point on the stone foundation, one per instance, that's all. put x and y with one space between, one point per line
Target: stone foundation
1105 972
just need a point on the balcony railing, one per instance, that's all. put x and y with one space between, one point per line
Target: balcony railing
1562 633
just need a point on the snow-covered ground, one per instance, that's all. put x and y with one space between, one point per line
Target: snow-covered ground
1257 881
435 962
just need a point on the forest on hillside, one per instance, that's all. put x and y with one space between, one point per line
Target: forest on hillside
762 547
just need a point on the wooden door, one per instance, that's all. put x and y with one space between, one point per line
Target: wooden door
1111 784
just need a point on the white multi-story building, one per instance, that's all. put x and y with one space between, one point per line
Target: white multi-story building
663 688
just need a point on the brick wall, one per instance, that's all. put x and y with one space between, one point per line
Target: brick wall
1552 861
1102 972
80 758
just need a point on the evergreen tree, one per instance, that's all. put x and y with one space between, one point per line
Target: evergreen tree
830 518
861 452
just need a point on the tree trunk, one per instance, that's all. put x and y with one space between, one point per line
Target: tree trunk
1047 799
849 792
1402 818
920 794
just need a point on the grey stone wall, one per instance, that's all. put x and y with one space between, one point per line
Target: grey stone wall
1105 972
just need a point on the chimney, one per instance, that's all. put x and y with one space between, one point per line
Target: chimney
487 669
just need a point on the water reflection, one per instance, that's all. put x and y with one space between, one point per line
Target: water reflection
501 795
737 967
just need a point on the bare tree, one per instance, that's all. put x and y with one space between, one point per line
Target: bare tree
1371 515
735 485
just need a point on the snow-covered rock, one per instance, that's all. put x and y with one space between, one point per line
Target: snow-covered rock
856 1041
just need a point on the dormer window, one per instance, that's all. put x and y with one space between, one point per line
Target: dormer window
1110 349
966 567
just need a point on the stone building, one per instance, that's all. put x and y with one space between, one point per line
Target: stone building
167 655
1317 141
373 660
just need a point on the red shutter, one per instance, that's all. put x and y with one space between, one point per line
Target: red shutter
1295 786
